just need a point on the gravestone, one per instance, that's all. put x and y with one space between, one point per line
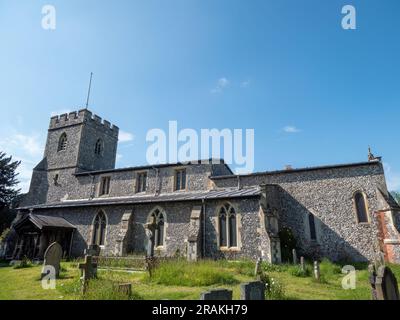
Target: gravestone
294 253
254 290
257 269
384 284
302 264
93 250
52 257
317 272
88 271
217 294
125 288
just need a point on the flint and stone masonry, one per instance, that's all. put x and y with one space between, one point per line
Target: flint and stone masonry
205 212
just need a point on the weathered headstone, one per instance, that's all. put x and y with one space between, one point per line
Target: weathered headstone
254 290
125 288
386 286
294 253
88 271
257 269
302 264
52 257
93 250
317 272
217 294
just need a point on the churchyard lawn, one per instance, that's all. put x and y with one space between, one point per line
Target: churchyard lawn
182 280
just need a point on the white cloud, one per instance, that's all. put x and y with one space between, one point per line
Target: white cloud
25 148
291 129
245 84
392 178
222 83
125 136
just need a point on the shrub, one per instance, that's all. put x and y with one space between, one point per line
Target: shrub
297 271
274 290
191 274
25 263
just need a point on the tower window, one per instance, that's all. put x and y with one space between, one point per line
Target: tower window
361 207
98 147
160 228
227 226
55 179
99 229
104 186
62 142
141 181
180 179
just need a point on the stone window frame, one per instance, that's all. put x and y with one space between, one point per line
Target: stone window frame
62 142
176 170
353 199
99 147
100 185
164 213
238 215
56 178
317 225
90 240
138 173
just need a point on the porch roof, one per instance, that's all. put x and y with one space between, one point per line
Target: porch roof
44 222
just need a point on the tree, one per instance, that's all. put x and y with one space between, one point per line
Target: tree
8 191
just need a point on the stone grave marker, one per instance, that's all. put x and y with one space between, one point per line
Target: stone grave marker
254 290
52 257
125 288
217 294
257 269
386 287
88 271
294 253
302 264
317 271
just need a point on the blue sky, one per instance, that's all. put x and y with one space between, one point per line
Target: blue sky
314 93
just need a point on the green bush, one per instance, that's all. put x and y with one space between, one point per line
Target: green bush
25 263
297 271
243 267
191 274
274 290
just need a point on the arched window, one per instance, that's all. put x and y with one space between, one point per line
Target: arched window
160 227
98 149
361 207
227 226
311 224
99 229
62 142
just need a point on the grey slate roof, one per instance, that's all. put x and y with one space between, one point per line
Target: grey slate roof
166 197
46 222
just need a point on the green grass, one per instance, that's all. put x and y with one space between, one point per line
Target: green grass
182 280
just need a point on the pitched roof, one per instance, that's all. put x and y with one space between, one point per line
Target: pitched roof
390 200
45 222
167 197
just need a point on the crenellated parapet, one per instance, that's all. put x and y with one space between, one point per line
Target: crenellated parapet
82 116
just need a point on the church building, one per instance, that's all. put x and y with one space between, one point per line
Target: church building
199 209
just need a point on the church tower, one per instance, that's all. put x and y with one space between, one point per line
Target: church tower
82 141
76 142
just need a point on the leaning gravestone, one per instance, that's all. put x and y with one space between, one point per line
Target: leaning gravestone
252 291
125 289
317 271
217 294
52 257
294 253
386 284
88 271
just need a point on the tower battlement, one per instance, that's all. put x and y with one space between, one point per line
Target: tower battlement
82 116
